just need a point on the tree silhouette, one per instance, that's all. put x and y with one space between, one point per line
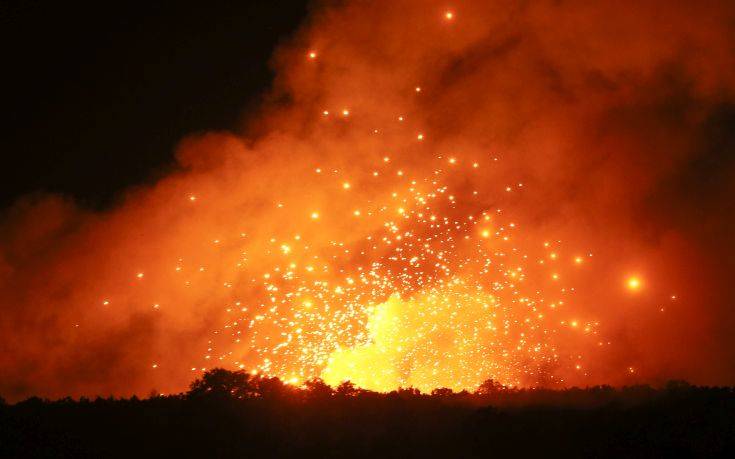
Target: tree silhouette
234 414
317 389
490 387
271 388
219 382
347 389
442 392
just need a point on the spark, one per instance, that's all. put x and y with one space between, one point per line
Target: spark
430 287
633 283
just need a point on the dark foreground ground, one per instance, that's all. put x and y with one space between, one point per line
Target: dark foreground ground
263 418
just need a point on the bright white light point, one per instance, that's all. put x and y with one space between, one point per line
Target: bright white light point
452 160
314 215
400 118
325 112
346 186
420 137
449 15
139 275
418 89
475 165
318 171
578 260
192 198
386 159
155 365
105 303
312 54
356 213
633 283
285 248
345 112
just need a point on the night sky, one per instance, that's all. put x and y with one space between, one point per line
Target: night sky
95 97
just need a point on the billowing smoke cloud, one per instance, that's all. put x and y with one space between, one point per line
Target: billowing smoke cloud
618 121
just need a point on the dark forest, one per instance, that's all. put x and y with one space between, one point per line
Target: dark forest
232 414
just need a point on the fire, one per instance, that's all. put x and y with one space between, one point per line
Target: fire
417 204
633 283
421 293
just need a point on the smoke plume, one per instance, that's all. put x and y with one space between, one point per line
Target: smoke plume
603 130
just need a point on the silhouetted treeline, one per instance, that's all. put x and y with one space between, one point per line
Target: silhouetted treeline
235 414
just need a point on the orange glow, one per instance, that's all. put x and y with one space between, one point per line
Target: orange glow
416 206
633 283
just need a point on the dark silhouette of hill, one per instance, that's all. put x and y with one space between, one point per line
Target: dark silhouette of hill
234 414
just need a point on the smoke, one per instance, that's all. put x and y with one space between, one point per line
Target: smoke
617 121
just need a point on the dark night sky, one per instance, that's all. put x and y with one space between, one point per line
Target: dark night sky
96 97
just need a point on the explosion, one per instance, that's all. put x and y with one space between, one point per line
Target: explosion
427 198
431 288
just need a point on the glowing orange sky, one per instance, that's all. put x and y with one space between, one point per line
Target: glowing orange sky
578 128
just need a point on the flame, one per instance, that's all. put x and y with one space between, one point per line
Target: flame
417 203
417 292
